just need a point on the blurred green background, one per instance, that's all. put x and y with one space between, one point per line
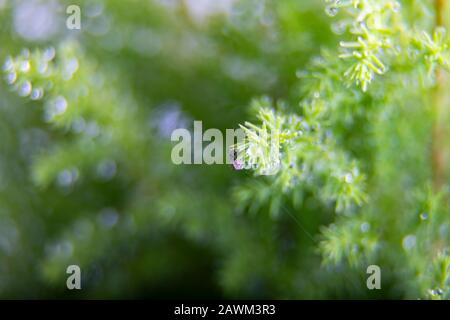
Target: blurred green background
85 171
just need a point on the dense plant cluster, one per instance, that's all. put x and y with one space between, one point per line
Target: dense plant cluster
86 177
318 159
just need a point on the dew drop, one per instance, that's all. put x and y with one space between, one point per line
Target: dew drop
36 94
106 170
301 74
424 216
42 67
92 129
348 178
409 242
396 7
306 126
25 66
49 53
60 105
78 125
11 77
339 28
365 227
9 64
108 218
67 177
25 89
332 11
70 68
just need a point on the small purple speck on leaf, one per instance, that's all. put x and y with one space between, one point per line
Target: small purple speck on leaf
238 165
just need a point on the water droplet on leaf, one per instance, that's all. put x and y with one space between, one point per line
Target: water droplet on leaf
36 94
365 227
25 90
49 53
348 178
25 66
106 170
11 77
332 11
339 28
409 242
424 216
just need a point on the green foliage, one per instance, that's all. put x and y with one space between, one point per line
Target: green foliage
341 150
309 156
372 228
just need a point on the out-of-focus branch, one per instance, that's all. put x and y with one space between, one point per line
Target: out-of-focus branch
438 143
